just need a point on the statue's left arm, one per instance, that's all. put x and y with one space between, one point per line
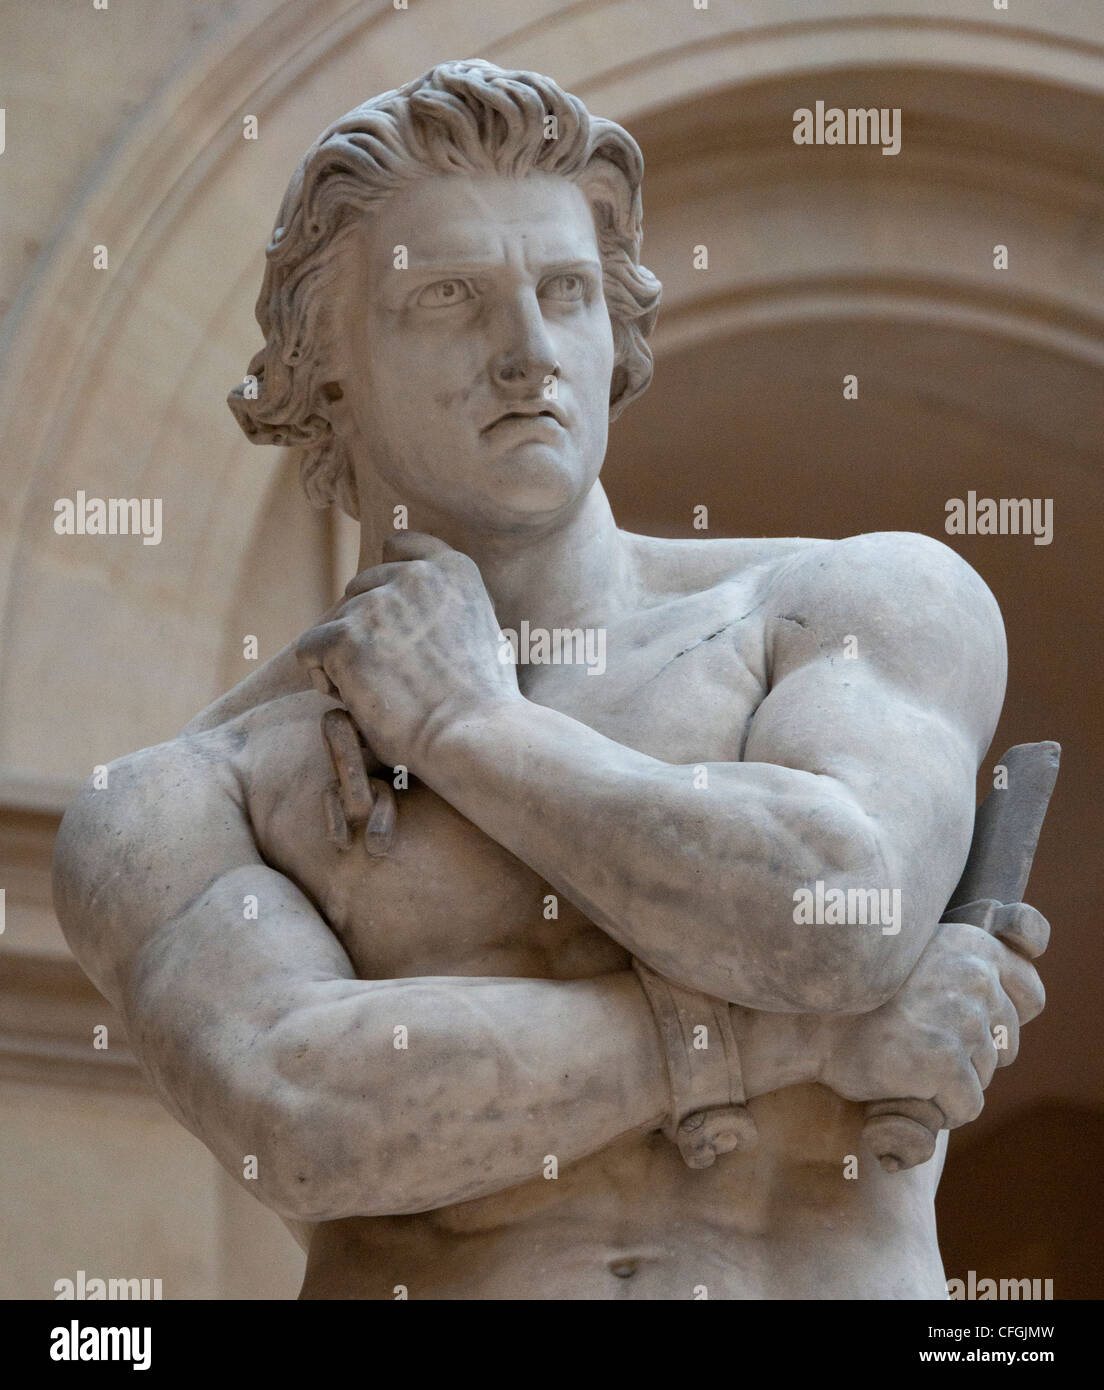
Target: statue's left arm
887 662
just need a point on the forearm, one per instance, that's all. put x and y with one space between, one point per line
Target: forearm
365 1098
245 1012
280 675
287 1058
497 1077
698 881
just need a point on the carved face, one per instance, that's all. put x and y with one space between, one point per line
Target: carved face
447 363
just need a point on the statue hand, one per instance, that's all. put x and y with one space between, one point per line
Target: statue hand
415 647
950 1025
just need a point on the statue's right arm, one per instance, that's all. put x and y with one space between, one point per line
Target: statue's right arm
259 1038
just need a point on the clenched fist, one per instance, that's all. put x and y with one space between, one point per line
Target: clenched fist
950 1025
414 647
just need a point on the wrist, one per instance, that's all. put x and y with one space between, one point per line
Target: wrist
778 1050
462 729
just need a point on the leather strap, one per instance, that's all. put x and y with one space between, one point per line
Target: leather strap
709 1115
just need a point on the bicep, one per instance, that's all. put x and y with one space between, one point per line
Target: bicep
907 770
204 949
887 665
134 859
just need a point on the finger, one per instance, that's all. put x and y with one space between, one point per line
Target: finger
1018 925
980 913
1022 927
985 1059
902 1133
311 651
337 827
414 545
1020 981
1016 975
964 1101
347 756
381 823
372 578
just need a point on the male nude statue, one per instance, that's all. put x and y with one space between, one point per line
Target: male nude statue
449 1030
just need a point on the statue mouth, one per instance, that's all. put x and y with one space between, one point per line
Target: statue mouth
550 413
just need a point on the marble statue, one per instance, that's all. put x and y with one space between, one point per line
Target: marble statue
542 922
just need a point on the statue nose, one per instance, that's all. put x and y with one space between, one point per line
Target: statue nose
527 355
532 368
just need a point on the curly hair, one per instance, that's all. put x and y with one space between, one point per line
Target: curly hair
466 117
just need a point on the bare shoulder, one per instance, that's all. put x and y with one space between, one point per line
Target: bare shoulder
669 567
907 606
900 577
278 677
150 834
916 600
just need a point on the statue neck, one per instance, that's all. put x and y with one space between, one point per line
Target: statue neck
575 573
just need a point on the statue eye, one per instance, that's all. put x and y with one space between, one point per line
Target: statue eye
566 288
443 293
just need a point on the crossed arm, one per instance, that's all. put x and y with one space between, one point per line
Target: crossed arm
260 1039
886 671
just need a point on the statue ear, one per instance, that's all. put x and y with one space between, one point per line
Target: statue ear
332 403
333 406
632 373
619 386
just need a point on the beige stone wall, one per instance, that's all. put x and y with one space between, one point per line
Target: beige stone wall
124 128
118 1189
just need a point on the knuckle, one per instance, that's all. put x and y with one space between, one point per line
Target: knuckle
951 934
986 1059
977 1021
930 1041
1029 925
308 646
947 1058
962 1100
460 563
1041 930
396 542
965 1020
975 975
1036 1000
354 607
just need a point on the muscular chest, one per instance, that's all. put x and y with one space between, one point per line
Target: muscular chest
679 684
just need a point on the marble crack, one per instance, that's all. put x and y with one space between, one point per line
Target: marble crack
702 640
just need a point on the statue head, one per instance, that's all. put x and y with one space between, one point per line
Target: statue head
468 123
